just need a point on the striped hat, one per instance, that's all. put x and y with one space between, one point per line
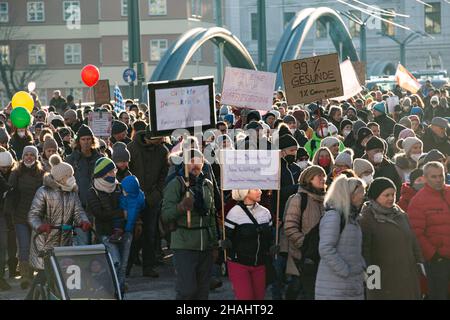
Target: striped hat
102 166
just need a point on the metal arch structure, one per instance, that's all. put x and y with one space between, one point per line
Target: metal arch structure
178 55
295 33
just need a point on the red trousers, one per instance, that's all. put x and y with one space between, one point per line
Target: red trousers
249 283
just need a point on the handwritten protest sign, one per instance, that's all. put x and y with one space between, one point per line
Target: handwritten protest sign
101 123
350 81
360 69
250 169
248 88
392 102
102 92
312 79
181 104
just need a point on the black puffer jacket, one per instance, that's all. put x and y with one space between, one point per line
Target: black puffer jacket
386 125
432 141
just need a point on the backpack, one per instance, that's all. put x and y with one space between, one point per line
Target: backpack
166 227
310 246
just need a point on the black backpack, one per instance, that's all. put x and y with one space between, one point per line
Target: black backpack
310 246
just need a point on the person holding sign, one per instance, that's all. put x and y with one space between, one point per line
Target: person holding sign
194 245
248 242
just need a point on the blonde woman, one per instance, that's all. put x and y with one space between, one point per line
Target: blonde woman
341 269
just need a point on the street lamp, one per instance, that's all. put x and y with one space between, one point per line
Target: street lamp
362 32
410 38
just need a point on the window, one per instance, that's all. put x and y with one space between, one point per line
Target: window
36 11
71 11
321 30
433 18
4 17
72 53
36 54
388 29
197 56
4 54
196 8
354 28
124 8
254 25
125 50
287 17
157 7
157 49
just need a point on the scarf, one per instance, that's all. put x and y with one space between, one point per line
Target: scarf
102 185
318 195
384 214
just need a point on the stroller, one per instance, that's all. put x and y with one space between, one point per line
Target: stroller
77 273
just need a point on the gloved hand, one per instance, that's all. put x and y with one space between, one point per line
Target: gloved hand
44 228
225 244
85 226
186 204
274 250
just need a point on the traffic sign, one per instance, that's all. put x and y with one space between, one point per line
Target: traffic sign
129 75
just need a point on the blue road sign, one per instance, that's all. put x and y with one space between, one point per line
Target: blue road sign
129 75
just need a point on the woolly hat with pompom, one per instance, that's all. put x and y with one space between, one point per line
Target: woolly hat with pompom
49 143
59 169
6 159
408 143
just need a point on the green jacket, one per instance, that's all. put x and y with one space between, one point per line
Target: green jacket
314 144
202 235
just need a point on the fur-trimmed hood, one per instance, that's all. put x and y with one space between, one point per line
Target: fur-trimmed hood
404 162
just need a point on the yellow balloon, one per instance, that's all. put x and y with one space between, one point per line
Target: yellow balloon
23 99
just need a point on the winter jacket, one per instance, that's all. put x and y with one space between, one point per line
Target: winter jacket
431 141
149 163
387 169
404 166
288 184
250 246
104 207
407 193
341 269
202 235
5 187
314 144
60 104
300 137
429 212
294 236
390 243
122 174
84 170
386 124
113 140
24 186
76 126
133 203
56 207
18 144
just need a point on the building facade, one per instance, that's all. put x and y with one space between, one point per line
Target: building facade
60 37
383 53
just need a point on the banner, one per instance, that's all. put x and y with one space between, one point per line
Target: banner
406 80
312 79
360 69
101 123
350 81
391 103
248 88
181 104
102 93
250 169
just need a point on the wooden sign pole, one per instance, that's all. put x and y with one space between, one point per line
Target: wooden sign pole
186 180
222 200
278 203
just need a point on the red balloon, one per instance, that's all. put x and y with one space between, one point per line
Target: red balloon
90 75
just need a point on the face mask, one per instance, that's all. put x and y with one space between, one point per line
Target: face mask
378 157
418 186
302 164
21 133
292 131
289 158
29 165
346 132
110 179
325 132
367 179
324 162
415 156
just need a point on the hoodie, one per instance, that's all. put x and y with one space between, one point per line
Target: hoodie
133 202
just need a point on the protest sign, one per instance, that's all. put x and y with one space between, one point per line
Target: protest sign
248 88
350 81
101 123
250 169
181 104
102 92
312 79
360 69
391 103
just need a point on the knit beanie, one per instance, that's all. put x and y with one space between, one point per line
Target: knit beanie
363 132
64 132
408 143
120 152
6 159
362 165
433 155
253 115
239 195
375 143
287 141
4 136
380 107
49 143
332 129
71 115
118 127
378 186
60 169
356 126
406 133
84 131
309 173
31 149
329 142
289 118
299 115
103 165
415 174
53 116
345 158
416 111
139 126
405 121
345 123
301 153
397 129
276 113
229 118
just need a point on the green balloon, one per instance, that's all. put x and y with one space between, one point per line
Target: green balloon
20 117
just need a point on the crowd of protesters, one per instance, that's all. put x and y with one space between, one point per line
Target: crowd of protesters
364 210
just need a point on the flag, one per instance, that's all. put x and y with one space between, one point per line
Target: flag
119 105
406 80
350 81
